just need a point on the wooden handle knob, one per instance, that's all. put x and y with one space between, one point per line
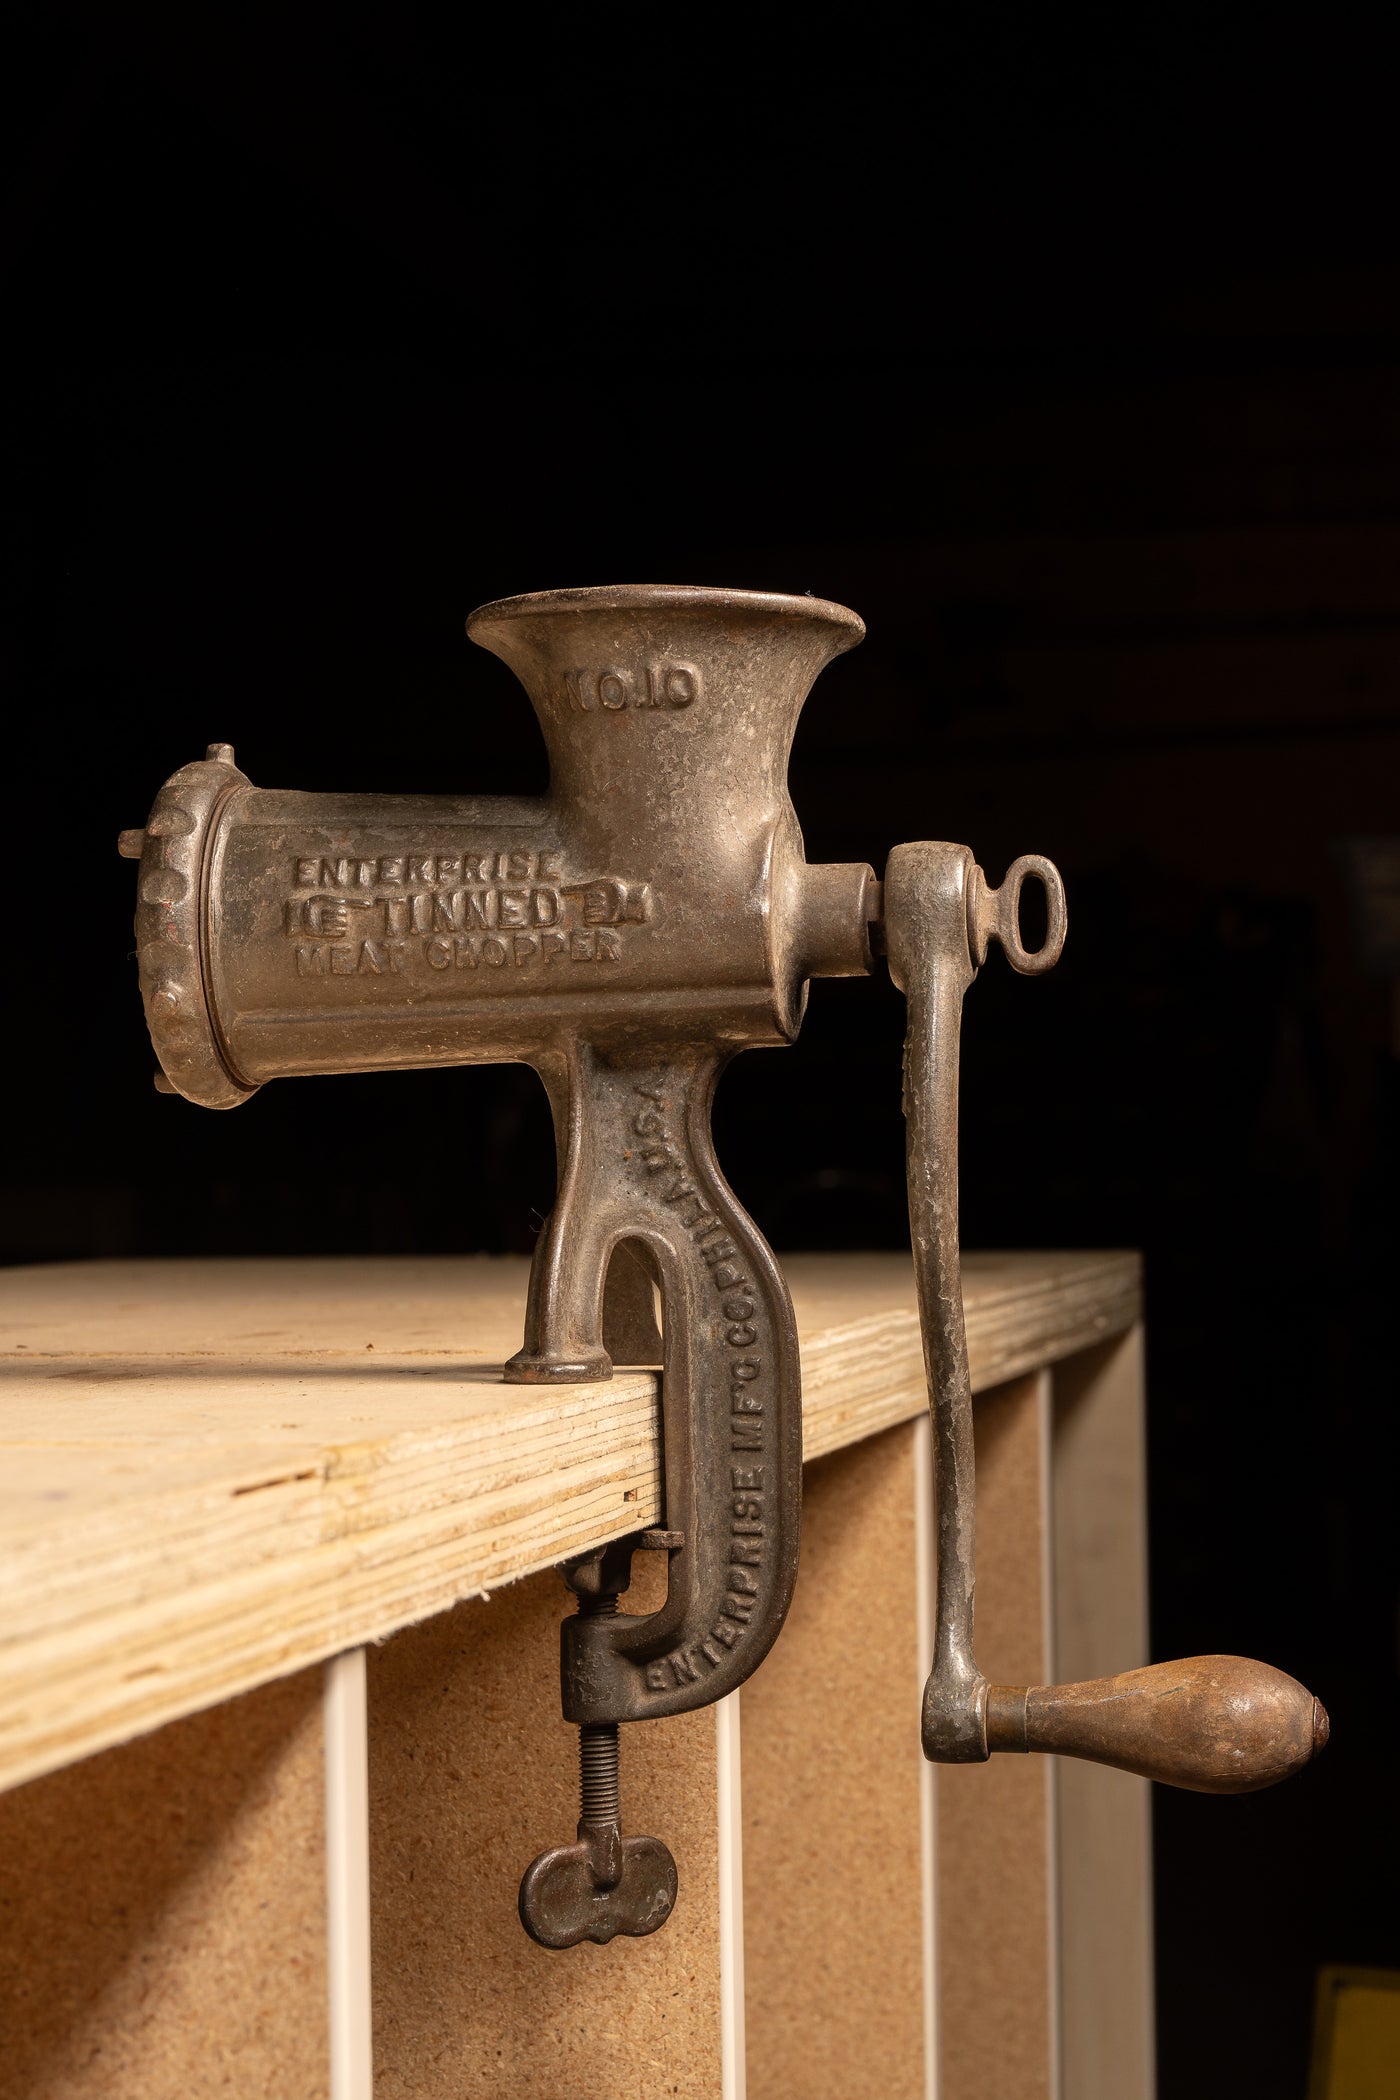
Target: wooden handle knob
1217 1724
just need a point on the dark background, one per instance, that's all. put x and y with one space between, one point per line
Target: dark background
1062 343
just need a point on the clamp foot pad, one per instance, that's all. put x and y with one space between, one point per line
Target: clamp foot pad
598 1888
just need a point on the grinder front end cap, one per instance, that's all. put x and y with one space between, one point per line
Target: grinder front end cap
172 912
626 934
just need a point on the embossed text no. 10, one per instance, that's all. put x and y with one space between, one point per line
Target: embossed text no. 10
664 684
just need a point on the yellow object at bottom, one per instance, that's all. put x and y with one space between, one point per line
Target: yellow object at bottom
1356 2044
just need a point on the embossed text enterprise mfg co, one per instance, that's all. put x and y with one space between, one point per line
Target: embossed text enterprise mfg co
626 934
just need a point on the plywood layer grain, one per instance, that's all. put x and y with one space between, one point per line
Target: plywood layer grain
215 1473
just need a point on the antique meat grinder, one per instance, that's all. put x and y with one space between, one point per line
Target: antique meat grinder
626 934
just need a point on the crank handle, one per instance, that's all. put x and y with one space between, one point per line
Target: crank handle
995 914
1214 1724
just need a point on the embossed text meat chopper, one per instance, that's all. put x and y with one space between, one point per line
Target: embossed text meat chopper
627 934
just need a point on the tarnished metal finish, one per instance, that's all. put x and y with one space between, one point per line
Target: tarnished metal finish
657 894
938 912
1214 1724
173 911
637 1163
606 1883
627 934
603 1886
926 939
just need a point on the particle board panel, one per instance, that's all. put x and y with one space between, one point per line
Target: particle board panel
1105 1825
216 1473
997 1982
472 1773
162 1913
833 1882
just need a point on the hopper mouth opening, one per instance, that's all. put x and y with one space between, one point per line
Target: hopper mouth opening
669 597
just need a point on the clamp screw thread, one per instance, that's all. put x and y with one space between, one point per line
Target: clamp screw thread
600 1791
600 1778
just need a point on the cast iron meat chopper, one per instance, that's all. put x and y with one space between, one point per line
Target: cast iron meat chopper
627 934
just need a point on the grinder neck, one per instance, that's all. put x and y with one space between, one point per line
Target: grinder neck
681 701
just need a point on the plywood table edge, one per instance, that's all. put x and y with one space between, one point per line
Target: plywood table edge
166 1604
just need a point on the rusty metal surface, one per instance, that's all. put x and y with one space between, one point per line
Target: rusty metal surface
604 1884
1213 1724
627 934
658 893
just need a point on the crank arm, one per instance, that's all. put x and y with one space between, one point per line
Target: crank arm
1215 1724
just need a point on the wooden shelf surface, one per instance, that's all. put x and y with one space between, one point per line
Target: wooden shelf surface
213 1473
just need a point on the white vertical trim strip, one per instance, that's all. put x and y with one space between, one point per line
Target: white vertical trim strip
1045 1413
347 1876
730 1808
928 1803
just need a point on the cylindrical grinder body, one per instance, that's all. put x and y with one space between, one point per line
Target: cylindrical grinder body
657 891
